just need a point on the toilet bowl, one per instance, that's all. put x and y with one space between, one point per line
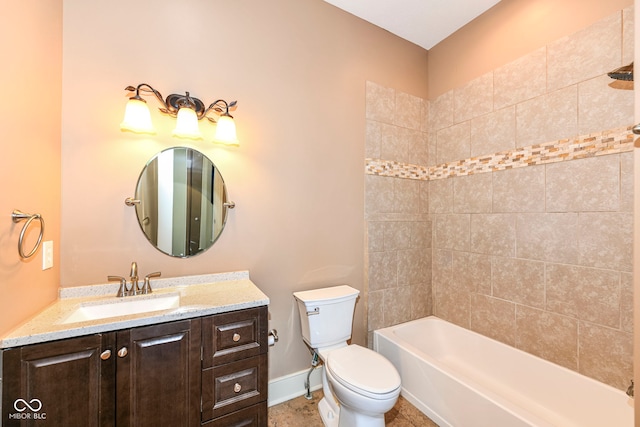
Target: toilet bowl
359 385
365 384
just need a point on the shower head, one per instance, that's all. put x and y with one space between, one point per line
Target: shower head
622 73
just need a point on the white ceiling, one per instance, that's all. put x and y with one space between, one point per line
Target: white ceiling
422 22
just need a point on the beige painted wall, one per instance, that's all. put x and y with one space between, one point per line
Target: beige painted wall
509 30
298 71
30 165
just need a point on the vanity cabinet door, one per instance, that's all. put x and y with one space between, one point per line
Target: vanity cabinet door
158 375
61 383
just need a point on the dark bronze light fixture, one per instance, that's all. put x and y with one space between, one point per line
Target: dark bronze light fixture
186 109
622 73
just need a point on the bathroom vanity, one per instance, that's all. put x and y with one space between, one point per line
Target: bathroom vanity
202 363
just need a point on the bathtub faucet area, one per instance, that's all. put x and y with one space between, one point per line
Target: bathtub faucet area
630 390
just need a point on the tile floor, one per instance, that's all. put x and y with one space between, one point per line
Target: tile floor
302 412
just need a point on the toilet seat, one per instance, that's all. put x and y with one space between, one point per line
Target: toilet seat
363 371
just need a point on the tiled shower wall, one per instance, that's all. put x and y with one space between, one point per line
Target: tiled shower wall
505 206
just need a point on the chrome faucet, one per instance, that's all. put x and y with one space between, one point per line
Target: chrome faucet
630 390
134 279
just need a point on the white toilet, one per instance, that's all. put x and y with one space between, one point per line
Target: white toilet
364 383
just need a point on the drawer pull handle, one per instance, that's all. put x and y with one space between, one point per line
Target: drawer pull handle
105 355
236 337
123 352
237 387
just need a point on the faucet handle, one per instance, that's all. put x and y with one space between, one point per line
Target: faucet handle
122 291
146 288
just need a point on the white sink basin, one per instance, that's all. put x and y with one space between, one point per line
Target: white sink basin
123 307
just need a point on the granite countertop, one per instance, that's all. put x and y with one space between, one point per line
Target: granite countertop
199 296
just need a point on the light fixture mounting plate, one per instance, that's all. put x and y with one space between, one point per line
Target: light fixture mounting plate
174 101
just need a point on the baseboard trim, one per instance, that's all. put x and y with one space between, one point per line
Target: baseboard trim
291 386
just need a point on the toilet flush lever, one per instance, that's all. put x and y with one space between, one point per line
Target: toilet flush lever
316 310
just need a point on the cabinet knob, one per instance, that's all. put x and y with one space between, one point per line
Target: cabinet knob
105 355
236 337
123 352
237 387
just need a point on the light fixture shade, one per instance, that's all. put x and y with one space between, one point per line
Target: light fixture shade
226 131
187 124
137 117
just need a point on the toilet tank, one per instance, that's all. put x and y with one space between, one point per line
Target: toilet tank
326 315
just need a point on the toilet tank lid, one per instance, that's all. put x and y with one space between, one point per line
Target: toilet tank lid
333 293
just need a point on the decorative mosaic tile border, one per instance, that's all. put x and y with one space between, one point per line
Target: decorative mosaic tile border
596 144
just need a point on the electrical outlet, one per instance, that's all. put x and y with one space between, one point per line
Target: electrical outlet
47 255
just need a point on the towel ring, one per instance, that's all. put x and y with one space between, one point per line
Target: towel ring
18 216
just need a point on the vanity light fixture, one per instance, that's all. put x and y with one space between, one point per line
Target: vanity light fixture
186 109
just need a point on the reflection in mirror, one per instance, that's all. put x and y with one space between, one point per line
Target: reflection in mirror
182 198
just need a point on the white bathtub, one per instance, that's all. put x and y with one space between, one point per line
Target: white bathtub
459 378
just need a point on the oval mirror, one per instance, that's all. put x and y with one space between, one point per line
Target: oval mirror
181 200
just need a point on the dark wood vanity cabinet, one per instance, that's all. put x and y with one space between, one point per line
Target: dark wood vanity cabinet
158 375
62 383
207 371
234 368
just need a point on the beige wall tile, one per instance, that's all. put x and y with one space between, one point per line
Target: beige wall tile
626 182
413 266
493 234
453 305
588 53
472 193
606 240
519 280
606 355
602 107
493 132
383 270
375 310
397 305
473 99
547 118
548 335
408 111
519 190
375 236
627 35
424 197
626 302
452 232
494 318
425 111
471 272
520 80
441 111
442 276
591 184
406 196
379 190
380 103
373 139
441 196
421 235
397 235
453 143
548 237
418 147
421 301
585 293
392 145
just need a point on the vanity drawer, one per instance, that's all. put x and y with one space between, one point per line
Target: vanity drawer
253 416
233 336
233 386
